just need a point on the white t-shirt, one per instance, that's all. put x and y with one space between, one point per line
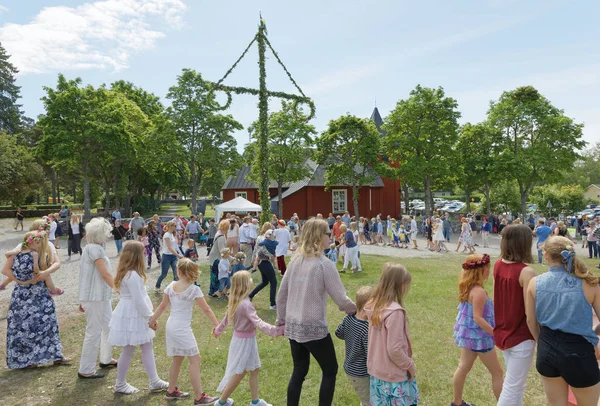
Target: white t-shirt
283 237
75 228
233 233
52 233
171 238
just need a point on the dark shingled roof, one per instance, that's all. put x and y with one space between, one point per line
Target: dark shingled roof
376 117
241 181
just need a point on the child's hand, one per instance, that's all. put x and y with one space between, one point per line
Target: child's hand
214 333
411 373
154 326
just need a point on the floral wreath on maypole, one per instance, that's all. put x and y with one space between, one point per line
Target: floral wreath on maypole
263 107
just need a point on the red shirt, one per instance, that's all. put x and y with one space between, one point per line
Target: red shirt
509 306
336 230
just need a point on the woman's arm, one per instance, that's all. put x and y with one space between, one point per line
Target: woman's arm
12 252
479 297
104 272
525 277
282 299
207 310
532 322
159 310
335 288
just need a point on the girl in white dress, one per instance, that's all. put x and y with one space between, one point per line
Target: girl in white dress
243 349
181 342
438 236
129 322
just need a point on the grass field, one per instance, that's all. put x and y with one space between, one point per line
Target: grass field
184 210
431 306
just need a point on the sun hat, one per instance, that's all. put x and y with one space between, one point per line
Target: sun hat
281 222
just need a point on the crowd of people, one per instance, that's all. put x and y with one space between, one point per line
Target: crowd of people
379 359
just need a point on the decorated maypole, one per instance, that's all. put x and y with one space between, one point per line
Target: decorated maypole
264 94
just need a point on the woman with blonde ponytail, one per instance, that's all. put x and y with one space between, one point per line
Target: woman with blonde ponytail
559 315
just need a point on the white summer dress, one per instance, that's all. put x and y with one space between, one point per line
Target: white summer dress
129 321
180 337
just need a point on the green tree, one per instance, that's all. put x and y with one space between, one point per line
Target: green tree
289 148
349 149
477 169
10 111
20 174
538 141
205 135
421 134
504 196
569 198
586 170
84 129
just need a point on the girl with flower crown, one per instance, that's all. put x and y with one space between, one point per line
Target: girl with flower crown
32 336
474 328
559 307
47 254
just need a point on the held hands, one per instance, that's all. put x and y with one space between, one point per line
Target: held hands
153 326
214 333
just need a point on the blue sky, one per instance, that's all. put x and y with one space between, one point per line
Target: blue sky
345 55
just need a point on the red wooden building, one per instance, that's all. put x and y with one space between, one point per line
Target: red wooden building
309 197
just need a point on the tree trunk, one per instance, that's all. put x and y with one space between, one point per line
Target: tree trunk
86 193
116 185
487 193
406 198
355 197
194 182
428 197
53 185
107 195
279 196
523 193
468 199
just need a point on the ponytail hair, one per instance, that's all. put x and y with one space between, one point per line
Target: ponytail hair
561 249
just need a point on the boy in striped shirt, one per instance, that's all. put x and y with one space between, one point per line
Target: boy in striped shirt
354 330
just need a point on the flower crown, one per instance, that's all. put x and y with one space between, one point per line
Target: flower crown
477 264
37 237
47 225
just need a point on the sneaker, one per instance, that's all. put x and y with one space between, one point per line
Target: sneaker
260 403
462 404
68 258
176 394
157 290
274 307
158 386
218 402
125 389
208 400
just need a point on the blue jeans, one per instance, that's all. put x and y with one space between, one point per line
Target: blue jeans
168 260
119 244
447 234
540 256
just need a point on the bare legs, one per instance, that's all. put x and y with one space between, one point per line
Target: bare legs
236 380
467 359
194 374
557 392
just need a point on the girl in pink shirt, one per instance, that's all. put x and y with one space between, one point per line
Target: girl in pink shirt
389 359
243 350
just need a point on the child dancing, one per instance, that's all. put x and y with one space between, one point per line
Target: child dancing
243 350
474 328
129 322
354 329
181 342
389 359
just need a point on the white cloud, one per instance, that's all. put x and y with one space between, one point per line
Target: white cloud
100 34
3 9
342 77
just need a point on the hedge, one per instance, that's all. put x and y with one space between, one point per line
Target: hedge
29 214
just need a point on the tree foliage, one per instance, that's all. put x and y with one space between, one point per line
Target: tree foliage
11 116
349 149
421 134
538 141
205 135
290 142
568 198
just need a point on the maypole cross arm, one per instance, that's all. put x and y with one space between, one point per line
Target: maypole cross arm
263 105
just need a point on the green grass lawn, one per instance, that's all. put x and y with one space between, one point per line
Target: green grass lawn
184 210
431 306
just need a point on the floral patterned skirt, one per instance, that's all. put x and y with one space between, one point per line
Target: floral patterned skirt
394 393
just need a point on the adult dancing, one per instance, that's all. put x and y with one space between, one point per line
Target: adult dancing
302 307
32 336
265 256
95 291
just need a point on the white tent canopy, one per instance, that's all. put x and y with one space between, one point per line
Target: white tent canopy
239 204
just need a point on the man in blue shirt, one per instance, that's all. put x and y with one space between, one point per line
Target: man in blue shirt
346 219
542 231
193 229
447 227
116 215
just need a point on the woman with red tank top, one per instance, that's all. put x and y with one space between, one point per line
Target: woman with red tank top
511 334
